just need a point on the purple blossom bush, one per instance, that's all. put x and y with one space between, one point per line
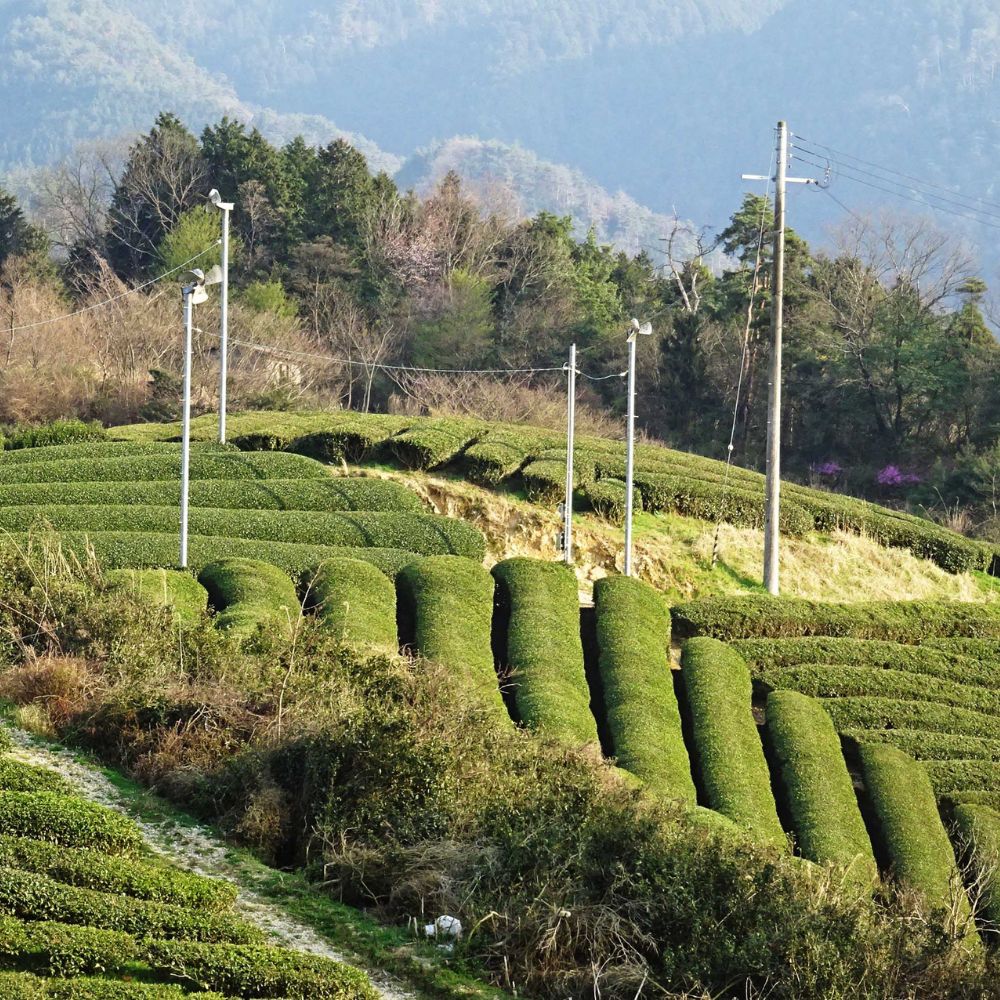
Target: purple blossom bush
829 469
893 475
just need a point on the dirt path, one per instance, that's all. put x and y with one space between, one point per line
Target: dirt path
195 849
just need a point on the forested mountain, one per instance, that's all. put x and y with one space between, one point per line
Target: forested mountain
666 100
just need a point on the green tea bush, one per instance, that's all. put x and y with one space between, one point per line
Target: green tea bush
727 752
354 438
447 603
774 618
764 654
545 480
17 776
56 433
950 776
92 869
846 682
71 822
64 949
175 589
249 595
544 653
499 454
31 896
978 831
929 745
204 465
259 971
123 549
25 986
433 442
427 534
357 602
817 787
910 831
104 450
607 499
891 713
643 719
332 495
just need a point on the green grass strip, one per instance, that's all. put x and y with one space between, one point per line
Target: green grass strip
727 751
643 719
817 786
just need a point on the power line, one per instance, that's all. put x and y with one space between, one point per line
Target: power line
114 298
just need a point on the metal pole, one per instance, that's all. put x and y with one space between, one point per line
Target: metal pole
570 437
224 331
629 453
186 423
773 479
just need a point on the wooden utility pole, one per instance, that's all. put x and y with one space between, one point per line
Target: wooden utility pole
772 515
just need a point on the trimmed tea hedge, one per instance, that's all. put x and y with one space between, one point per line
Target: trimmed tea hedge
351 440
448 602
950 776
890 713
259 971
817 787
90 869
204 465
171 588
845 682
500 453
983 649
24 986
64 949
929 745
37 897
912 836
17 776
104 449
607 499
433 442
123 549
763 654
978 829
644 722
728 755
248 595
58 432
357 602
545 480
71 822
773 618
332 495
541 606
428 534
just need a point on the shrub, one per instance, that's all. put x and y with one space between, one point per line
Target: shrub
545 481
64 949
56 433
353 439
249 595
24 986
951 776
123 549
844 682
500 453
643 720
727 752
978 829
891 713
765 654
427 534
929 745
911 834
773 618
337 493
983 649
357 602
16 776
36 897
175 589
607 499
91 869
260 971
204 465
714 501
447 604
71 822
434 442
543 650
105 450
817 787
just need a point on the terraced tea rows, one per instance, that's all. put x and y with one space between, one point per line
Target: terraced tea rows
87 912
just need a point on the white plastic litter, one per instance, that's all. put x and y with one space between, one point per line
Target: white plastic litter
444 926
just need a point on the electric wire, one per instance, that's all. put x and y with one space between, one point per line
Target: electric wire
114 298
